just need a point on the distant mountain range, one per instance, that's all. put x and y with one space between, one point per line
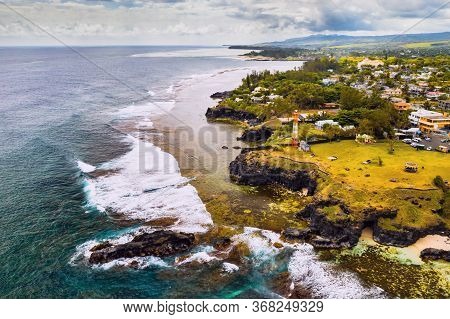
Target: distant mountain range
335 40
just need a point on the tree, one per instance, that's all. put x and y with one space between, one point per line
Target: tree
351 98
365 127
304 131
331 131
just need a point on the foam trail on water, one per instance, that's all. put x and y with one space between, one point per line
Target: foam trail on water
146 184
319 277
145 109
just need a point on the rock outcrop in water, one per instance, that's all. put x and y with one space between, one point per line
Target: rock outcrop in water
159 243
245 172
261 134
228 113
435 254
221 95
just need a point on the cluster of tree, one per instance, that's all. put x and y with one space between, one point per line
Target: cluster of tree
279 53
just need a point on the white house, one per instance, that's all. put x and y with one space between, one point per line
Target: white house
320 124
414 117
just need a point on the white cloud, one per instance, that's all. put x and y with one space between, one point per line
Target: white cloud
210 21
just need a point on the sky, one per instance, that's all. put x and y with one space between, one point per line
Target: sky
210 22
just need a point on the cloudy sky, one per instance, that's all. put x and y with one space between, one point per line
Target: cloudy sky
210 22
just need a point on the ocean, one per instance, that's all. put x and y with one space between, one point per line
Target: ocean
64 116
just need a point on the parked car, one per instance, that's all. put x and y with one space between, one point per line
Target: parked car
418 146
407 141
417 139
445 140
427 138
429 148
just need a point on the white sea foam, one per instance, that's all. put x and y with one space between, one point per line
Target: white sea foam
151 93
261 246
306 270
193 53
85 168
147 184
324 281
145 124
145 109
170 89
201 257
136 262
229 267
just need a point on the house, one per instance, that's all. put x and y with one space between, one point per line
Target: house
396 99
329 81
257 99
444 104
274 96
434 95
415 89
320 124
305 147
369 63
414 117
364 138
330 105
259 89
402 106
434 123
388 92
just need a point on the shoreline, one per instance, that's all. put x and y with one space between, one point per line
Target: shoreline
241 213
424 242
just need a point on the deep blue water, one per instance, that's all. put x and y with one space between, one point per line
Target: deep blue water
54 109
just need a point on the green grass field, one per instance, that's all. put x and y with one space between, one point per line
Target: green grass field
418 45
382 187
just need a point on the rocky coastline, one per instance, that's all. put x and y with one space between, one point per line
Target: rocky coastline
216 113
331 222
253 173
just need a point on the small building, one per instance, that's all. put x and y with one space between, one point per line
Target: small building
320 124
434 95
444 104
257 99
392 92
364 138
330 105
370 63
414 117
434 123
411 167
402 106
305 147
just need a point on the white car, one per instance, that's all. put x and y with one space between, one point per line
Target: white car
427 139
417 139
429 148
407 141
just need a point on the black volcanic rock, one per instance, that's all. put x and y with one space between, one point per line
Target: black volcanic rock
221 95
341 230
159 243
255 174
435 254
405 236
261 134
294 233
229 113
